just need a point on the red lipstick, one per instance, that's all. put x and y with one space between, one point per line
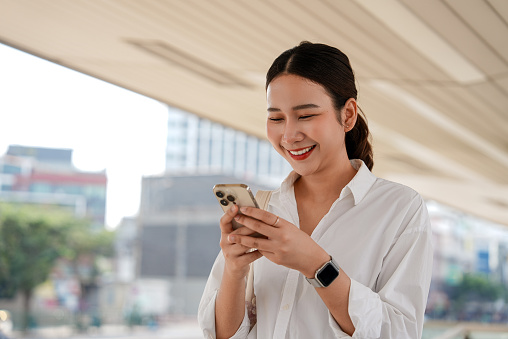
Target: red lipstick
301 156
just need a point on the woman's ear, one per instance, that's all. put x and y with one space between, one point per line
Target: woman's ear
349 114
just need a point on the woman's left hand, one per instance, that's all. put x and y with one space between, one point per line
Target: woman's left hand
285 244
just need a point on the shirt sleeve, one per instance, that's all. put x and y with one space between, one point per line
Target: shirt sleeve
396 307
206 310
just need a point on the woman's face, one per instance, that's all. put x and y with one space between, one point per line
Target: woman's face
302 124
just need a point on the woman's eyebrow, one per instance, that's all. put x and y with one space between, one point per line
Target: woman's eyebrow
295 108
305 106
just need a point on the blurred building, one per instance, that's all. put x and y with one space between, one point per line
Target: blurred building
178 241
464 245
178 231
125 248
118 291
45 176
199 146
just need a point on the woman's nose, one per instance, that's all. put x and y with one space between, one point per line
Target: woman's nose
291 133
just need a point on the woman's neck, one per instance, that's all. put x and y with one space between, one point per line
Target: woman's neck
325 185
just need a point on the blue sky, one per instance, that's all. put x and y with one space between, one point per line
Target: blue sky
108 127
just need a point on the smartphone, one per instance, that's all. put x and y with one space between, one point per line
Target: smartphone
234 194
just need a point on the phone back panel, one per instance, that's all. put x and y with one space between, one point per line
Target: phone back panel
234 194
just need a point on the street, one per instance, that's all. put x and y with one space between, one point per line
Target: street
182 330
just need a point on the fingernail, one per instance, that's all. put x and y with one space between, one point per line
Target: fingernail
243 209
231 238
233 208
237 217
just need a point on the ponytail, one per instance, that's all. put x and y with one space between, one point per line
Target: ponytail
357 142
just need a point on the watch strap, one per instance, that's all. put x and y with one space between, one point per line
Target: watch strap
314 282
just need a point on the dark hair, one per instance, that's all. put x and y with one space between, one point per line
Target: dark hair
329 67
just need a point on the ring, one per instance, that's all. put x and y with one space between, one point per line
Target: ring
276 221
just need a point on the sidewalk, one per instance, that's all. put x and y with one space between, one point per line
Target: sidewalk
178 330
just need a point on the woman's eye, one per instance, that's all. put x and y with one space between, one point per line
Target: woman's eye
306 116
275 119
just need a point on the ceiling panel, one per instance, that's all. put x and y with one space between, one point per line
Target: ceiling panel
494 97
396 59
373 49
457 32
502 82
486 23
501 7
210 21
457 104
428 125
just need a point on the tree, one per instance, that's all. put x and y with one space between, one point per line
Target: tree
478 287
32 238
86 246
474 293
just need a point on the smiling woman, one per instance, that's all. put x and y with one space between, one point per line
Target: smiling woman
345 253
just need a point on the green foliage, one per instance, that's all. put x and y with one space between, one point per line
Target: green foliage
83 241
478 287
32 238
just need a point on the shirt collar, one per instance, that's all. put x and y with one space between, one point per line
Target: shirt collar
358 186
361 182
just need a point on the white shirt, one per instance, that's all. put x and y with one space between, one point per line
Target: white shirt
379 233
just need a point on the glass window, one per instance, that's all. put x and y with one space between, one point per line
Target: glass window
11 169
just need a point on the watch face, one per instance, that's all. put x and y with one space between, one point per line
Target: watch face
328 274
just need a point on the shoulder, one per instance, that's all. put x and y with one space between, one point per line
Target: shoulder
394 191
402 203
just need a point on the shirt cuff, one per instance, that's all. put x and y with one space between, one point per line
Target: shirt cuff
365 310
337 331
243 330
207 319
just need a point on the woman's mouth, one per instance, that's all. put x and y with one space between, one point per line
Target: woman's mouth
302 153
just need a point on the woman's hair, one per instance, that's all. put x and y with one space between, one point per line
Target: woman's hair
329 67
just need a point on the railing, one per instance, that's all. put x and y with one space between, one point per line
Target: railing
465 330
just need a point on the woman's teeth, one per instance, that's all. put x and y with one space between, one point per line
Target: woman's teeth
303 151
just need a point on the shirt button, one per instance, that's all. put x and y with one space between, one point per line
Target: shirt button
285 307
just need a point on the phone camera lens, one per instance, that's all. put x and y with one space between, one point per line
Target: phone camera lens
224 202
220 194
231 198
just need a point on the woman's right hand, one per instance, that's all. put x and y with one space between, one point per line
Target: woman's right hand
237 257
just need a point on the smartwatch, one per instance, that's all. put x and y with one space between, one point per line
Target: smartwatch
325 275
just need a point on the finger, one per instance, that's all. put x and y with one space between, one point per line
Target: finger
243 231
265 216
228 246
257 225
249 257
241 255
251 242
226 224
236 250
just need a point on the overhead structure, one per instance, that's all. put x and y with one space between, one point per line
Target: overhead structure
432 75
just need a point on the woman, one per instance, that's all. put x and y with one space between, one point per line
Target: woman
346 253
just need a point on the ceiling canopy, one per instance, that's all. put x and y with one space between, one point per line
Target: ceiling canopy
432 75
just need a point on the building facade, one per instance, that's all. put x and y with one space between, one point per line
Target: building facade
38 175
199 146
178 223
178 241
